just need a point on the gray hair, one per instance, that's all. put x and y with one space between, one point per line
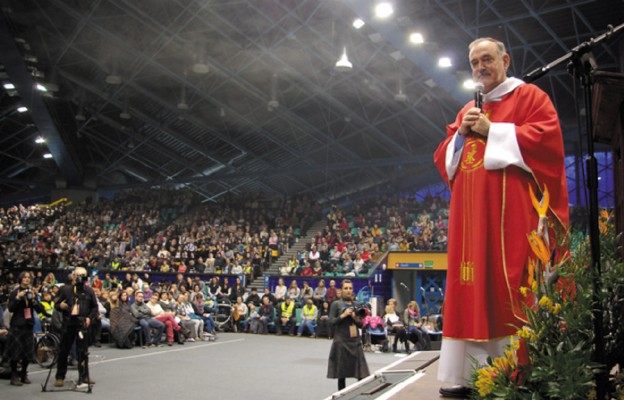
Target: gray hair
500 46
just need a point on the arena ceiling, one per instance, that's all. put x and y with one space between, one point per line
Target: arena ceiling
239 96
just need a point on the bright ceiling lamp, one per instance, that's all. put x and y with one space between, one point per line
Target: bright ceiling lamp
384 9
468 84
40 140
416 38
47 155
9 86
22 109
41 88
357 23
343 64
444 62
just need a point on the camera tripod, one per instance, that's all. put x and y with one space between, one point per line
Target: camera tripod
82 352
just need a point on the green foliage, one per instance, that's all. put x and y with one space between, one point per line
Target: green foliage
560 333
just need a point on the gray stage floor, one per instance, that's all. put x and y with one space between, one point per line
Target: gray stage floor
236 366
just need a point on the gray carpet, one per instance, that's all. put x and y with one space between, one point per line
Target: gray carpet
236 366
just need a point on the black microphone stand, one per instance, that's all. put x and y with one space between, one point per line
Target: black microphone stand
580 64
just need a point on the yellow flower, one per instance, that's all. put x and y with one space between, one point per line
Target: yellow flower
539 247
524 291
502 364
534 287
545 303
556 309
603 221
485 381
527 333
542 208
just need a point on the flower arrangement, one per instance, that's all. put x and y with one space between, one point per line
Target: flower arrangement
551 355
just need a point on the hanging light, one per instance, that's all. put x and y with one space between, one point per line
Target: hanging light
200 66
272 104
182 105
113 78
343 64
125 113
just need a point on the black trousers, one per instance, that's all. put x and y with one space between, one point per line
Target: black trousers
74 332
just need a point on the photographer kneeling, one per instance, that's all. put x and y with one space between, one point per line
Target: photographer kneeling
78 304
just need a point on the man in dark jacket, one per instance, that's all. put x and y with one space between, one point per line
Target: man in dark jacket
78 304
142 312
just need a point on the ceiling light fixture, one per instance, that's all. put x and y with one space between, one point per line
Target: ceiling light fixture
384 9
22 109
182 105
200 66
416 38
272 104
80 116
47 155
444 62
9 86
357 23
41 88
113 78
468 84
343 64
40 140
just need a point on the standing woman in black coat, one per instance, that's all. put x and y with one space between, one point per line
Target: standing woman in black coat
23 305
346 357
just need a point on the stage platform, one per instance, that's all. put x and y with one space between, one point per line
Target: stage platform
408 378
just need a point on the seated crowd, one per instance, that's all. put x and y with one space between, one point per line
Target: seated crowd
138 310
154 230
352 239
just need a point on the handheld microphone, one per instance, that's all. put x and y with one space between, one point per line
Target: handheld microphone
478 96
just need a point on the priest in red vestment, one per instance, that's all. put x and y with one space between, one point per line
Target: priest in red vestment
489 159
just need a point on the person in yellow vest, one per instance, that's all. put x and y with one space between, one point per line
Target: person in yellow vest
115 264
286 319
309 314
48 306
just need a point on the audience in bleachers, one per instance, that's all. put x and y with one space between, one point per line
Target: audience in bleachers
170 231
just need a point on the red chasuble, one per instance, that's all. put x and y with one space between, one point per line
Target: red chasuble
491 214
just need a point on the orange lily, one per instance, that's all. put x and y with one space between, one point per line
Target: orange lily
542 208
539 247
532 269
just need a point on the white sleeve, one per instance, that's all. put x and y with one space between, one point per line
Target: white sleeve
502 149
452 157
